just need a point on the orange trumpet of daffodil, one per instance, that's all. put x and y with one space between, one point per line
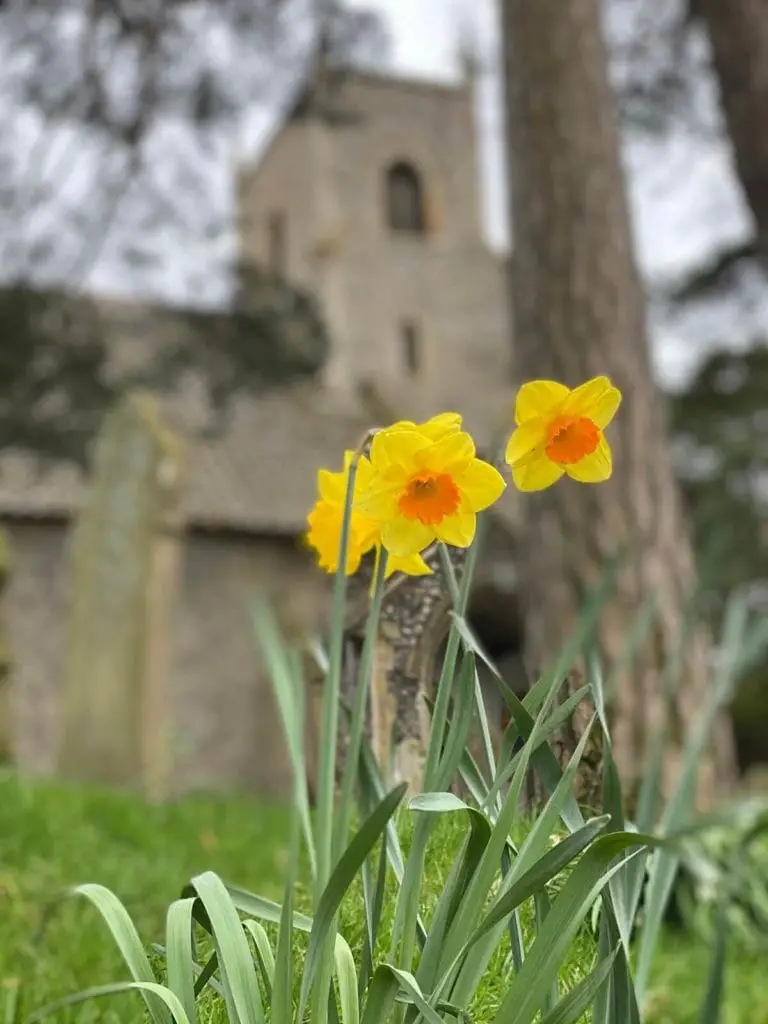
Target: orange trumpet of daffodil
561 431
427 484
325 520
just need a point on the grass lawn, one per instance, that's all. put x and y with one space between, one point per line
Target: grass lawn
53 836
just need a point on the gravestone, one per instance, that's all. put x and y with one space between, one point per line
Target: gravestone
124 563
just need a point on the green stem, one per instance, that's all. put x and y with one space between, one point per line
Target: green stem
362 690
328 747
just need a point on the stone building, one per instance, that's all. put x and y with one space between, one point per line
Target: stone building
368 196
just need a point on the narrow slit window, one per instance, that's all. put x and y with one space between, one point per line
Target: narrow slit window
411 343
277 242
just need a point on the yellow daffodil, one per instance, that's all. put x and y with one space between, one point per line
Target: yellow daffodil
561 431
427 484
325 520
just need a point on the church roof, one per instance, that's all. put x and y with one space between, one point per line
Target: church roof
256 472
257 475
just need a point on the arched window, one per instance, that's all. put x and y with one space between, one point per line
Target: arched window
405 198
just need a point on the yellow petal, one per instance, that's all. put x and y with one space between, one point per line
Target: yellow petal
481 484
539 398
593 468
394 450
598 399
535 472
453 453
458 530
412 565
331 486
364 474
435 428
439 426
324 535
379 500
525 439
403 537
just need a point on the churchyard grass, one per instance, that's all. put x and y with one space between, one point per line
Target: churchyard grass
52 836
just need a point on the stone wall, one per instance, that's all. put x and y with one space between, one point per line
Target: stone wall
225 731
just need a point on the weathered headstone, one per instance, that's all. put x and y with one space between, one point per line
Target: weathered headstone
125 552
6 736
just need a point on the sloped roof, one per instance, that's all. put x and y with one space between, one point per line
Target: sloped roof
256 472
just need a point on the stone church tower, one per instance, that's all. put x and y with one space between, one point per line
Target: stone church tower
368 196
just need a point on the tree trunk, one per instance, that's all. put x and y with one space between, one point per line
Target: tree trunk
579 313
739 35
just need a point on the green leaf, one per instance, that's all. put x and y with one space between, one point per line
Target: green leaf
528 988
285 690
462 871
12 1009
150 990
282 990
347 979
406 924
477 892
127 939
373 902
264 954
340 881
540 873
458 735
438 803
412 990
381 995
260 907
739 646
573 1006
236 967
180 955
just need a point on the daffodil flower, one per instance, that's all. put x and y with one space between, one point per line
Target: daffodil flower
561 431
325 521
427 484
